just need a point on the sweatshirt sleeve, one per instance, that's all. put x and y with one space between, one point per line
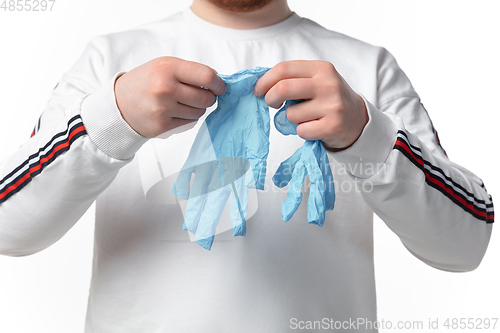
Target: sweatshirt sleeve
75 151
441 211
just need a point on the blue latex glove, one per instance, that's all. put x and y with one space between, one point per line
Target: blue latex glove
310 159
228 156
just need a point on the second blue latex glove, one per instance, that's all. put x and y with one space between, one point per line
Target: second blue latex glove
310 159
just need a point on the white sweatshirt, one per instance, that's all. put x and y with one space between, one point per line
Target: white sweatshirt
147 274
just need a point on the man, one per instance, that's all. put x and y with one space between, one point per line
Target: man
147 276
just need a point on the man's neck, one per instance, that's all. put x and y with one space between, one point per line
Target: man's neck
273 13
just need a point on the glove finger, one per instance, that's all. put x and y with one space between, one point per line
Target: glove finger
281 122
315 202
210 216
258 168
193 213
284 173
202 150
294 193
182 184
200 160
326 170
257 142
239 207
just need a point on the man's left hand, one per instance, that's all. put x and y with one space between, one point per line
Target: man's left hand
332 112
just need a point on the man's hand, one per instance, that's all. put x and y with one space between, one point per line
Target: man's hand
166 93
332 112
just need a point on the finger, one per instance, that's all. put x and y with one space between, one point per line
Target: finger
194 96
313 130
186 112
178 122
175 126
288 89
303 112
199 75
284 70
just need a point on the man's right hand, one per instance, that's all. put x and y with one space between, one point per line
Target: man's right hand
166 93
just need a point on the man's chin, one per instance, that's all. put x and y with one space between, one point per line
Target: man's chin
240 5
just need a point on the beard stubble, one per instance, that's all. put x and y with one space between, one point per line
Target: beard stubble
240 5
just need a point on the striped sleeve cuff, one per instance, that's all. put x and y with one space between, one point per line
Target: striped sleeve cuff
368 154
105 125
25 172
437 178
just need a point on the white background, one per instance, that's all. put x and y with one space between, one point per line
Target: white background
449 49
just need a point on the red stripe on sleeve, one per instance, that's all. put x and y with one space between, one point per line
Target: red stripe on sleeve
41 161
405 147
456 197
